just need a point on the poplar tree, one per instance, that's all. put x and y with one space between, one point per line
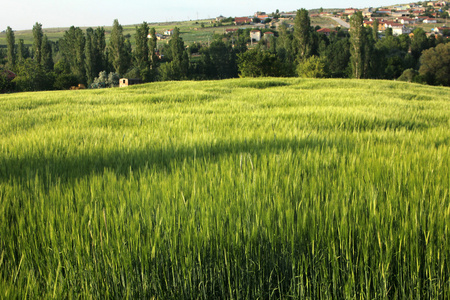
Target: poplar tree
419 42
141 52
46 54
37 42
11 53
302 34
375 30
22 51
100 49
178 68
72 48
152 47
90 55
117 49
357 36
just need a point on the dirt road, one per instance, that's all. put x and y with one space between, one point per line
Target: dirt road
341 22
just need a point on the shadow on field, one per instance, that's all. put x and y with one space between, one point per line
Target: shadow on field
62 167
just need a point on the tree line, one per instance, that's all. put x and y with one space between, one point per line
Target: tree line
86 58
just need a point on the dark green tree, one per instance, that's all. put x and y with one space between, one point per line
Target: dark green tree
371 57
99 45
389 32
435 65
272 44
152 47
419 43
117 50
72 48
37 41
357 45
257 63
302 34
141 52
3 56
178 67
176 46
153 57
312 67
90 56
46 54
375 25
11 51
31 76
285 50
338 58
220 61
393 57
22 51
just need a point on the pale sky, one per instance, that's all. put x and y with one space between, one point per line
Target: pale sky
23 14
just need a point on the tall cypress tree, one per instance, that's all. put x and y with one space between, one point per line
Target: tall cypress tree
152 47
302 34
375 30
46 54
419 43
72 48
180 59
176 46
357 37
141 52
37 42
89 54
178 68
22 51
11 53
117 49
100 49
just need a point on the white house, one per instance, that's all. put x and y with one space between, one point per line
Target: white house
255 35
399 30
430 21
168 32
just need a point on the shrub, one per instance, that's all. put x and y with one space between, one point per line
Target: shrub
106 80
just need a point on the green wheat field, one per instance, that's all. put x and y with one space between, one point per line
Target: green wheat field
235 189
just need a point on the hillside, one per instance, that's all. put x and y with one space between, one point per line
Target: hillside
244 188
191 31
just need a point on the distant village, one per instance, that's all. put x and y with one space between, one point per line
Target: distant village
402 19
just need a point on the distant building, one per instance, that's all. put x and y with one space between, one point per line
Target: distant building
262 17
384 11
401 13
231 30
158 36
420 19
325 31
267 35
350 11
259 26
288 15
123 82
168 32
381 25
406 21
255 35
430 21
242 20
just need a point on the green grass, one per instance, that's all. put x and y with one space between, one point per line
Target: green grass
244 189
